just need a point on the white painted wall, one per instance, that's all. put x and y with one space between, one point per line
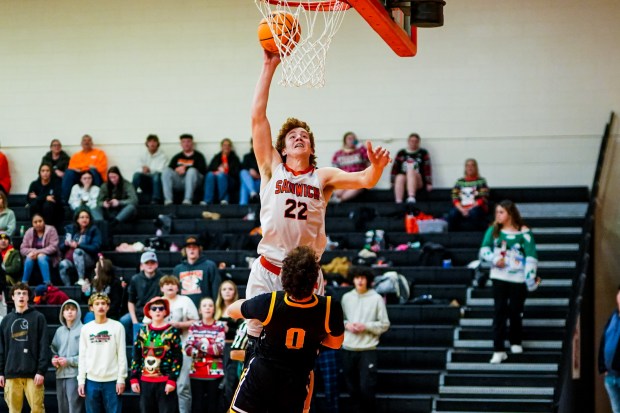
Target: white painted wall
525 86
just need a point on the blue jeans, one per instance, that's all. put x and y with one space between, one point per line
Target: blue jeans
248 185
150 184
72 177
612 385
44 266
102 397
131 329
222 187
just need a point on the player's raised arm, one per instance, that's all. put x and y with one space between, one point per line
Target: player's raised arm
261 129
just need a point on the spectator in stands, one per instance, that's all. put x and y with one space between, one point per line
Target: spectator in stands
205 345
142 287
152 163
11 267
117 198
228 294
80 247
58 159
85 194
24 353
65 349
88 159
609 356
102 367
509 246
198 275
351 158
183 314
43 197
5 174
107 283
411 171
7 216
40 247
157 358
185 172
470 198
365 319
223 173
250 178
48 294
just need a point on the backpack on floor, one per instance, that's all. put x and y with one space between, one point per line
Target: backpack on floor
394 286
433 255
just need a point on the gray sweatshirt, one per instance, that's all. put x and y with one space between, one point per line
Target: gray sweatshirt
66 343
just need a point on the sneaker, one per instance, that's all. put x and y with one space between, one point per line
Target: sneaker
516 349
187 202
223 202
167 202
411 200
203 203
251 216
211 215
80 282
498 357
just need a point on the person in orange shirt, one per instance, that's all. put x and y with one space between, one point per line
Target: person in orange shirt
88 159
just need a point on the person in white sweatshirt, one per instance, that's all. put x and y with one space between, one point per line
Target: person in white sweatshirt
148 176
102 368
365 319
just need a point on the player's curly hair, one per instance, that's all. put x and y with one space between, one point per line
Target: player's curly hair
290 124
300 270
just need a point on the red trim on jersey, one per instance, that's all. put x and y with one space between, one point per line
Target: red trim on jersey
269 266
297 173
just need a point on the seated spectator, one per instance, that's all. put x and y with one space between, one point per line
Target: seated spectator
11 268
152 164
250 178
185 172
117 199
40 247
80 246
223 171
411 170
57 158
48 294
351 158
88 159
7 216
85 194
470 199
5 174
44 197
107 283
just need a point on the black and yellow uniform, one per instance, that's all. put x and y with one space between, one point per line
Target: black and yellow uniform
277 378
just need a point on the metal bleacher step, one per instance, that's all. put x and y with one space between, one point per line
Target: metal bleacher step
460 404
557 302
488 322
473 391
527 344
503 367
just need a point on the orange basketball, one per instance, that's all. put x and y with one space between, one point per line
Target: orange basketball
282 25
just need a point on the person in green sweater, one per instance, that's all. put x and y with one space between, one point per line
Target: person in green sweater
470 198
509 246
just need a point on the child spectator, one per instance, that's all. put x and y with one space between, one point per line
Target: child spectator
40 247
44 197
65 348
411 170
85 194
7 216
351 158
205 345
470 198
57 158
80 246
48 294
152 163
11 268
157 359
102 365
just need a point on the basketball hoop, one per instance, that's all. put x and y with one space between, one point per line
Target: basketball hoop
303 60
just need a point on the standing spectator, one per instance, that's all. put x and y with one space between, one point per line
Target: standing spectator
250 178
80 247
157 359
183 314
102 367
509 246
142 287
117 198
5 174
57 158
7 216
65 348
609 356
223 173
411 170
198 275
185 172
24 353
44 197
85 194
105 282
365 319
351 158
11 267
205 346
40 247
470 199
88 159
152 164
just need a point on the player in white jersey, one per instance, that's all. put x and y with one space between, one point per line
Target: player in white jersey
293 192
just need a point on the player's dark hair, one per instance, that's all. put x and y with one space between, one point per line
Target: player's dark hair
300 270
361 271
290 124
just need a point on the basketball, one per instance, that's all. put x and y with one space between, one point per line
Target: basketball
282 25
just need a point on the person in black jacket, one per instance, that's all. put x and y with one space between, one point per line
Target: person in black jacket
44 197
57 158
609 356
223 172
250 178
24 353
185 171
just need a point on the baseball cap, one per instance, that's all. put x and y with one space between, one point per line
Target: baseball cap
148 256
191 241
39 291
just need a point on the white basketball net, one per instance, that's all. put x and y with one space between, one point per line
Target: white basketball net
303 62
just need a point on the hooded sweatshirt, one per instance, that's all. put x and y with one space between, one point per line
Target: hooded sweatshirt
66 343
200 279
367 308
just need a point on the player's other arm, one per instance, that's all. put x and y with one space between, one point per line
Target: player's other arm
334 326
334 342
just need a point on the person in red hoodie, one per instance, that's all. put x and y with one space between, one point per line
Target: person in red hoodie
48 294
5 174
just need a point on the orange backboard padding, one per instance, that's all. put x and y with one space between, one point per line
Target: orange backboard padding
378 18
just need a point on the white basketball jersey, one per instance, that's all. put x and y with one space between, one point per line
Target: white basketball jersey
292 213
